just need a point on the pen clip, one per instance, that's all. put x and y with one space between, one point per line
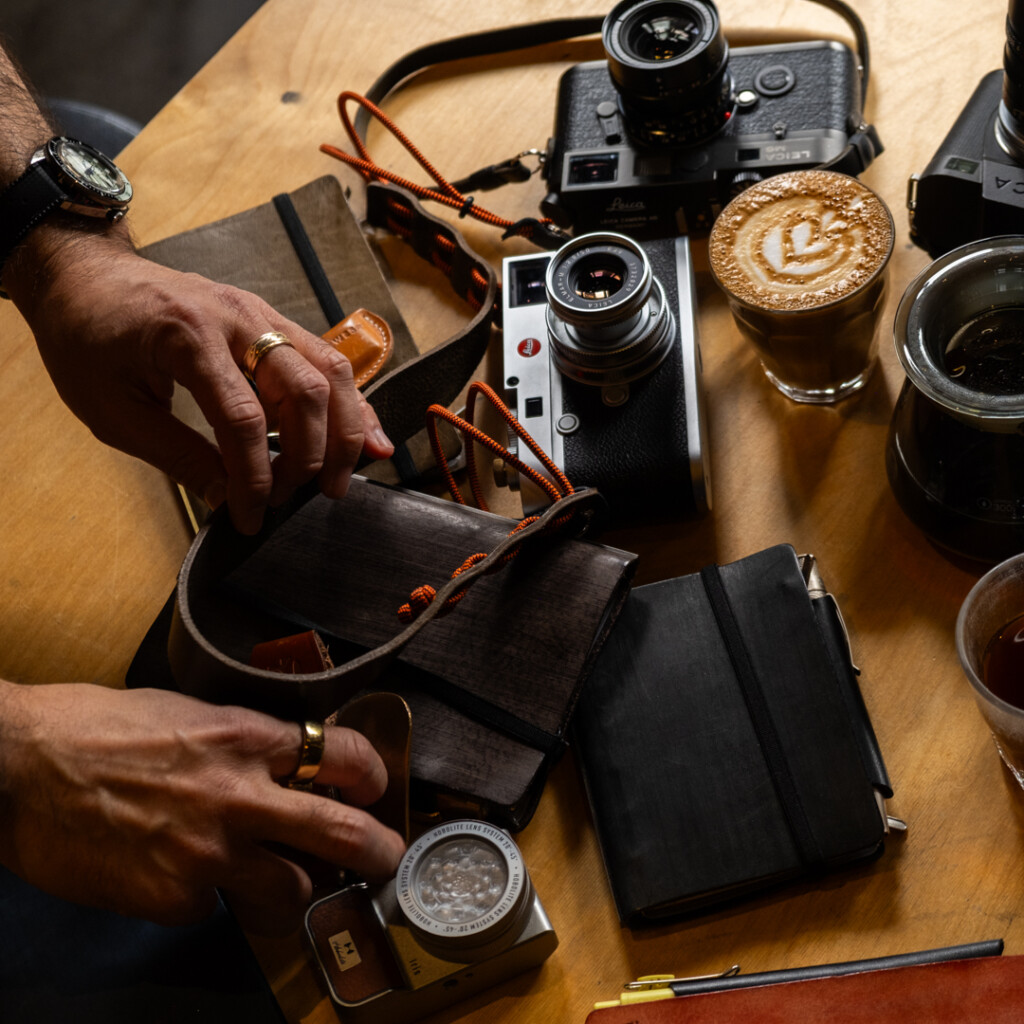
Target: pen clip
650 981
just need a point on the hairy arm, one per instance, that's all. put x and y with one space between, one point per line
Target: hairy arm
117 333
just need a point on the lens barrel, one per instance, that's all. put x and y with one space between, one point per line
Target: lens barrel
1010 122
669 62
608 319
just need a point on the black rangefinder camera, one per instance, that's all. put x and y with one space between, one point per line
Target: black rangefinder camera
603 369
658 138
974 185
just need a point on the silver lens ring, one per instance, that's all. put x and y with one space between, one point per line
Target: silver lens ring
608 319
464 889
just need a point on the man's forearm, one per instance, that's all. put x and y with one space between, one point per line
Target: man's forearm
23 127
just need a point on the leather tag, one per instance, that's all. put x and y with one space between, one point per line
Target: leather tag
365 340
300 654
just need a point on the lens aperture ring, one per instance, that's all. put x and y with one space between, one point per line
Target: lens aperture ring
620 358
682 127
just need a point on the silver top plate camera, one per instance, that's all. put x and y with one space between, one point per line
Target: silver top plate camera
460 916
603 369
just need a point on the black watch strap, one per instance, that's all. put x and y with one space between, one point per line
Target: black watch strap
23 204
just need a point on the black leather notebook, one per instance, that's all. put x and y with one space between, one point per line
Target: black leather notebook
723 740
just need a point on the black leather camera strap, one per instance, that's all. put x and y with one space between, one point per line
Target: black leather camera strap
400 398
518 37
476 44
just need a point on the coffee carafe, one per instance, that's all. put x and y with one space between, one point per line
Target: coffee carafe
955 452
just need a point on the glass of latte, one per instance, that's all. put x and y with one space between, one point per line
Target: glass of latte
802 258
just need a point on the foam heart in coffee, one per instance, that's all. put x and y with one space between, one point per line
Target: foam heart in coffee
800 240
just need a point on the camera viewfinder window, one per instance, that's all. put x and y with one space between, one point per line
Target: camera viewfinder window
594 168
526 287
958 163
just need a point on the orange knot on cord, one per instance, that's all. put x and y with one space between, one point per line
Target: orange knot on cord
419 599
424 595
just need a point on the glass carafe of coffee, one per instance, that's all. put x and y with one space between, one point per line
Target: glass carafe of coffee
955 453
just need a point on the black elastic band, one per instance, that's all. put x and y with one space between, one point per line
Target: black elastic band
311 264
405 466
760 715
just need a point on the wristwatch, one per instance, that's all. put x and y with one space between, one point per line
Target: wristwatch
65 174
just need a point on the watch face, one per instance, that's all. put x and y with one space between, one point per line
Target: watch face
90 169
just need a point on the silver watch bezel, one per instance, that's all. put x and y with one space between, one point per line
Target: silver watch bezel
84 196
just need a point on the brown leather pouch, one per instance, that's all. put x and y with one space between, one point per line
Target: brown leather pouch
492 685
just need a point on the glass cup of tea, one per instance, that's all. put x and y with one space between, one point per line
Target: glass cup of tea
990 643
802 258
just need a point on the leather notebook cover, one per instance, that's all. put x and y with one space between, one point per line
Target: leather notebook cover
989 990
723 740
251 250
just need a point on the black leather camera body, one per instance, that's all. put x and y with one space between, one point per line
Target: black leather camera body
602 367
973 187
658 138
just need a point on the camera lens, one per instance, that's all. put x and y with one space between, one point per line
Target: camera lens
668 60
662 35
598 276
464 890
460 880
608 320
1010 121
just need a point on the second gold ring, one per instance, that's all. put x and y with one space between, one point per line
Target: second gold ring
259 348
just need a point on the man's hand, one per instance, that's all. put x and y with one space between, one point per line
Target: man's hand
145 801
117 331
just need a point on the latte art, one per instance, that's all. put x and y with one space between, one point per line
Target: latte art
800 241
802 260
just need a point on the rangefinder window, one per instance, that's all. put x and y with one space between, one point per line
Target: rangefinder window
525 282
600 167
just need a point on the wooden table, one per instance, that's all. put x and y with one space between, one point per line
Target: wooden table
93 539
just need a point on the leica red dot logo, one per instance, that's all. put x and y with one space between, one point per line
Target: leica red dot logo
528 347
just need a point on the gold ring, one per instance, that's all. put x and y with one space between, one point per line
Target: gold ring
311 753
259 348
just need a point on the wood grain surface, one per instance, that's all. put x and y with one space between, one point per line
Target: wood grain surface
92 540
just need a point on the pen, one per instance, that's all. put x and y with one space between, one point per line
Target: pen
654 987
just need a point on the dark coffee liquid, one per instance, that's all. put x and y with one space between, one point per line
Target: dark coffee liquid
1002 668
987 353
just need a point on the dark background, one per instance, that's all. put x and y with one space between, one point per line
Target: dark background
129 56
